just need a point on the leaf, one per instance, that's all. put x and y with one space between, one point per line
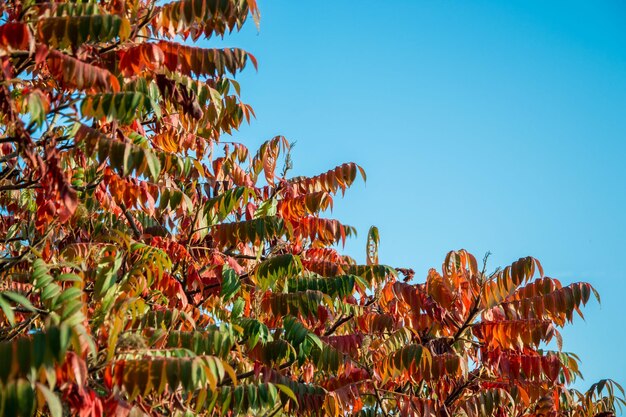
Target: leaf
76 30
373 240
254 331
324 231
186 373
75 9
222 205
179 95
515 334
339 178
230 284
139 58
273 352
54 404
246 399
300 206
411 358
557 305
288 392
486 402
266 208
339 286
215 340
304 303
123 107
372 273
106 274
202 61
74 73
15 36
277 268
8 311
19 299
328 359
38 107
267 157
25 397
154 165
504 283
208 17
253 231
145 162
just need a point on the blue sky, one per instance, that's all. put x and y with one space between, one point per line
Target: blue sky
487 125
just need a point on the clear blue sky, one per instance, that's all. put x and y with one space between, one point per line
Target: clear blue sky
485 124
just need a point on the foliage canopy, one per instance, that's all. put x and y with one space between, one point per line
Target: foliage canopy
152 266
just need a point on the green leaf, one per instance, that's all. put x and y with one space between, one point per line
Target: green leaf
288 392
267 208
230 283
277 268
116 156
127 165
254 330
69 294
238 306
50 291
76 30
19 299
123 107
25 398
373 240
340 286
106 274
37 108
69 278
8 311
54 404
154 164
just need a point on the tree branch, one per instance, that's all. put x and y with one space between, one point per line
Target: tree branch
131 221
338 324
346 319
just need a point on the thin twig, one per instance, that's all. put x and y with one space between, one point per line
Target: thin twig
337 324
248 374
131 221
346 319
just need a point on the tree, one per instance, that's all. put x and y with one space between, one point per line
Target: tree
153 266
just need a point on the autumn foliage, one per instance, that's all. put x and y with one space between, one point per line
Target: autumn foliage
151 265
